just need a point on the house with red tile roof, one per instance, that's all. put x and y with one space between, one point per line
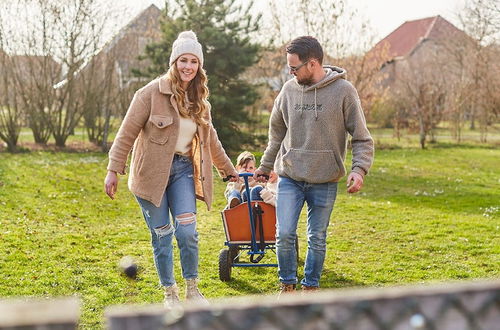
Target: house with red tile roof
414 40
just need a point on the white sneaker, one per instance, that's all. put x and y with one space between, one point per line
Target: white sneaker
192 292
171 296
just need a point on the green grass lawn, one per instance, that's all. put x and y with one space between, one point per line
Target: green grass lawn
423 216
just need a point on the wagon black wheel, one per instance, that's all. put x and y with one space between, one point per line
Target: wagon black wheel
224 265
297 248
234 250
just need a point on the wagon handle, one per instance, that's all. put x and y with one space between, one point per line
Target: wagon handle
227 178
265 176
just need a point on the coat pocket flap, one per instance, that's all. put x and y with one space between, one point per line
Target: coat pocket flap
161 121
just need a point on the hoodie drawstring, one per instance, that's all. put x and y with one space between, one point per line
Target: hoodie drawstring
315 105
302 102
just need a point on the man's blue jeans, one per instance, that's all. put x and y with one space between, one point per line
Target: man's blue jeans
179 200
291 196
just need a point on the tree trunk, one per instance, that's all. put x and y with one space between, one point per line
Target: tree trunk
422 140
39 138
422 131
433 136
11 145
105 133
472 120
61 140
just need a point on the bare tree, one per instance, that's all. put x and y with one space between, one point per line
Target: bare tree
102 97
481 21
421 88
52 43
343 33
11 115
34 77
364 72
79 25
321 19
459 82
109 78
34 70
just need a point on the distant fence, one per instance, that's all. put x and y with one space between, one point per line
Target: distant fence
459 306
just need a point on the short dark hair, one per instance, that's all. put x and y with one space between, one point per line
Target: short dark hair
306 48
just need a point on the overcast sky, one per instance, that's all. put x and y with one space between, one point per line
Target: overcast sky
384 15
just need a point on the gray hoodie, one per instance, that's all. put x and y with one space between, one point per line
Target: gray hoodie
308 130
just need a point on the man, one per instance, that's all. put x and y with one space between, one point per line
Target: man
311 118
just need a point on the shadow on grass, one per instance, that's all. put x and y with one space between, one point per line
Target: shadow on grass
332 280
246 286
253 284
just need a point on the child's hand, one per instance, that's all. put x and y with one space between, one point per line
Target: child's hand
267 196
273 177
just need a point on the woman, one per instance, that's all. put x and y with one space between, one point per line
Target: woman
174 144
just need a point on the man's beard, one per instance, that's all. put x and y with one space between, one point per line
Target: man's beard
307 81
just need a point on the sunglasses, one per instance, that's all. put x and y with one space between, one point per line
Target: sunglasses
297 68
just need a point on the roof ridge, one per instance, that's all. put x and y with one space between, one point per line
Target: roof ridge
431 26
138 16
118 35
426 35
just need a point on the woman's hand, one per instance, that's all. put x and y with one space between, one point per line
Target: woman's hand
234 176
111 184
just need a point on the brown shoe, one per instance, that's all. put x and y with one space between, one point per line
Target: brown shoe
235 201
286 289
309 289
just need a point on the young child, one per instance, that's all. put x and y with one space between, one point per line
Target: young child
235 191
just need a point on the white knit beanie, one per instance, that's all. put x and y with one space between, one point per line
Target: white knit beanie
186 43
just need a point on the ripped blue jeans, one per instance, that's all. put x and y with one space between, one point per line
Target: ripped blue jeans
175 216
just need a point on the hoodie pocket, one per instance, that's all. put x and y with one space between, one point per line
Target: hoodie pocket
159 124
314 166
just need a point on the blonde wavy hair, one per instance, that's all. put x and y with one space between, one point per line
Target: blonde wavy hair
192 102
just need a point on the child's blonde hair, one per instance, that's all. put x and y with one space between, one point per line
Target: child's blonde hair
244 158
